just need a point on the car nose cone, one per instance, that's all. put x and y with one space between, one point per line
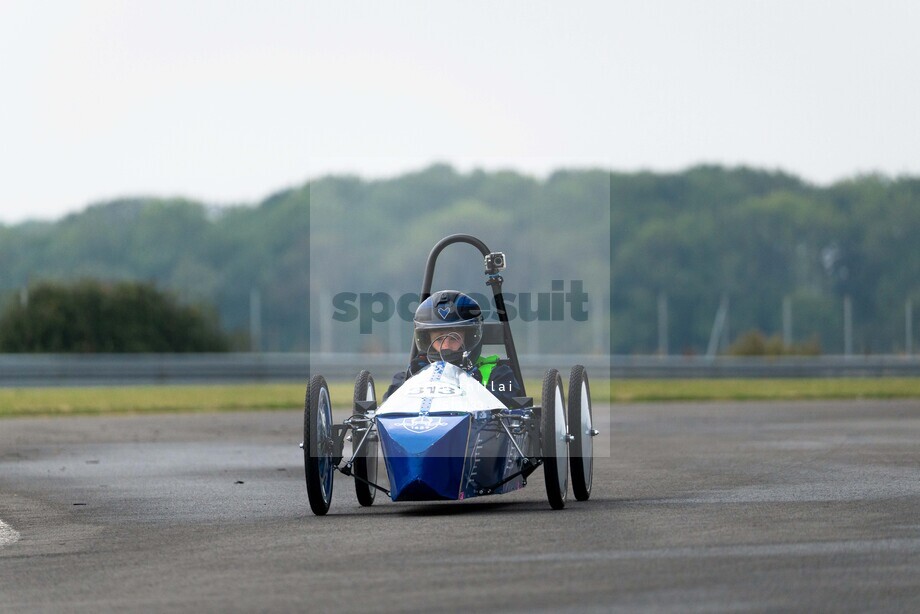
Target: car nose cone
425 455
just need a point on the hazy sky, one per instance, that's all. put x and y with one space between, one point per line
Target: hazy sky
230 101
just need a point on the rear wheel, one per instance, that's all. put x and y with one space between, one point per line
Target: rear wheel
582 428
554 440
366 462
318 445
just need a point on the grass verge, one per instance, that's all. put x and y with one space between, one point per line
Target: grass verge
166 399
147 399
629 391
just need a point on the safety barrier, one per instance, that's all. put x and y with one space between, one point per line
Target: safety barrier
111 369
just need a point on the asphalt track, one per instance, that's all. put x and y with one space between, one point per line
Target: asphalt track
697 507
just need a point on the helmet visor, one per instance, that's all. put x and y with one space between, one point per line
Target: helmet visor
432 338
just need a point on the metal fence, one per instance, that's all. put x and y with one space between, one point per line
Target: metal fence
18 370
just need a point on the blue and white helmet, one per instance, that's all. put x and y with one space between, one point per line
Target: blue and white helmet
448 312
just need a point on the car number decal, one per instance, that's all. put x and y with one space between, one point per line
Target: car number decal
435 391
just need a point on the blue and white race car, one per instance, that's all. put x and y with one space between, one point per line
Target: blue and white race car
443 435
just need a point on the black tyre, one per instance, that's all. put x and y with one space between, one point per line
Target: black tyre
581 453
554 440
318 445
366 463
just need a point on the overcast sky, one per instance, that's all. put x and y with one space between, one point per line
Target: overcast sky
228 102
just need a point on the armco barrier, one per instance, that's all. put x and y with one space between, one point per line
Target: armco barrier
18 370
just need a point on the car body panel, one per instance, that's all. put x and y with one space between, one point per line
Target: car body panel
442 438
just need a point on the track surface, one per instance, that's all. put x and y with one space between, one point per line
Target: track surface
715 507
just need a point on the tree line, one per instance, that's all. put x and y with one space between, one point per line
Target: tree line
753 238
93 317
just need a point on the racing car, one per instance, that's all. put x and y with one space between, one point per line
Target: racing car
445 436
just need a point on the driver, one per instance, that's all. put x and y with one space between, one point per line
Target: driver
448 327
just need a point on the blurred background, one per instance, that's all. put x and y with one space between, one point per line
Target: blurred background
724 177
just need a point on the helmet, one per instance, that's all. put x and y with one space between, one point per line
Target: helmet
451 314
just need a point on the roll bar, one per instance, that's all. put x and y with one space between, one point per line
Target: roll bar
494 281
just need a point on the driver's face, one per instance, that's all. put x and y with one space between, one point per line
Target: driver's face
446 340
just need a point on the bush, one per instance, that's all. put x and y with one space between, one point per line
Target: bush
755 343
751 343
90 316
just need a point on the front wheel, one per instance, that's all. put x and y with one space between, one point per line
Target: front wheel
318 445
580 421
554 440
366 462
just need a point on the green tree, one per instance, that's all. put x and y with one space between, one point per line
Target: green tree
89 316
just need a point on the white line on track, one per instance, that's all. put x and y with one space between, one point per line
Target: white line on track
7 534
